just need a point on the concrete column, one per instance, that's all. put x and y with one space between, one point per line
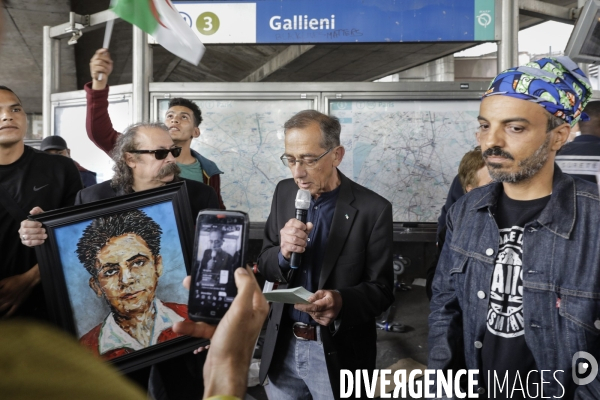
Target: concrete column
140 76
149 67
441 70
509 25
56 72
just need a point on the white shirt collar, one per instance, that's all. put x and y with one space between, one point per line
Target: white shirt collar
113 337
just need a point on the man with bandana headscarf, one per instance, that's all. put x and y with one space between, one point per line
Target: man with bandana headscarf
516 294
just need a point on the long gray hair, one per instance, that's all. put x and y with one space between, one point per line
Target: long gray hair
123 177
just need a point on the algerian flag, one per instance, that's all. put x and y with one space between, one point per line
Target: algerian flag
162 21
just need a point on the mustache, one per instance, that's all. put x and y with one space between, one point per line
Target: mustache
169 169
497 152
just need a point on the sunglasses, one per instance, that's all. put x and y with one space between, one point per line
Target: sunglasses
160 154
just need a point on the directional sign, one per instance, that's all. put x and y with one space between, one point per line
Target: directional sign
340 21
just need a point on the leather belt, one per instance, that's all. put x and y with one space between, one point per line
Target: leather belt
304 332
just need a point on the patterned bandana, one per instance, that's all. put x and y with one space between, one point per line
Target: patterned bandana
557 84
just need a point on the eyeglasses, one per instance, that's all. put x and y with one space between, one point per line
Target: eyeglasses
160 154
308 162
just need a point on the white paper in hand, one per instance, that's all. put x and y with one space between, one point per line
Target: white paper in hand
297 295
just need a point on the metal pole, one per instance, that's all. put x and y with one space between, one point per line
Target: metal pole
508 49
149 77
585 67
140 76
48 77
148 70
56 65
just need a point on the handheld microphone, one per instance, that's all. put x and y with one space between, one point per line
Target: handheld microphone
302 205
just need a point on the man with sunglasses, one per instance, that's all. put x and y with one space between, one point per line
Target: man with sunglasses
346 248
183 120
144 159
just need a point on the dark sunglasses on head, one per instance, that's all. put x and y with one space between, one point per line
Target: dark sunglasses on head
160 154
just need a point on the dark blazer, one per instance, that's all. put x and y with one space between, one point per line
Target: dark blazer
223 259
357 263
201 196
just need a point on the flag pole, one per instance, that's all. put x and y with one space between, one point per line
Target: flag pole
107 35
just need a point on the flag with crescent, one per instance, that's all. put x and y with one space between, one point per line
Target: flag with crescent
161 20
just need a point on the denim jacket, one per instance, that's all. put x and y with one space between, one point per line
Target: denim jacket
561 284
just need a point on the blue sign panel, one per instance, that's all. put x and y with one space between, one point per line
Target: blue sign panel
341 21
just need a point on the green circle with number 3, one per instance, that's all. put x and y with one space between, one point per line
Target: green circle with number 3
208 23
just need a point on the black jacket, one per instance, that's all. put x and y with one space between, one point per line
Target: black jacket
357 263
201 196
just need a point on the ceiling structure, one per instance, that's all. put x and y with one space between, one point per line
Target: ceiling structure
21 55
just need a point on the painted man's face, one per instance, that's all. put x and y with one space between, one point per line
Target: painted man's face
127 275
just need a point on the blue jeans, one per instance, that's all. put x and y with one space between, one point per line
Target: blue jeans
298 369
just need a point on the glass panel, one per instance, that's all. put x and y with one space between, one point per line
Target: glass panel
245 139
69 122
35 127
407 151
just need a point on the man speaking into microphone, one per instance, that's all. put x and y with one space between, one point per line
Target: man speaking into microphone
345 251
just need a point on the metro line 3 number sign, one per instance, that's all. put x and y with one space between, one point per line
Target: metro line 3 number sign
207 23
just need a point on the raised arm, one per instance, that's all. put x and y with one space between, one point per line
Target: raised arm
233 340
97 123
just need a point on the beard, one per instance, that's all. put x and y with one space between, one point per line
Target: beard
528 167
168 170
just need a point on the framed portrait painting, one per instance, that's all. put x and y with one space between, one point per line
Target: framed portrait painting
112 272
